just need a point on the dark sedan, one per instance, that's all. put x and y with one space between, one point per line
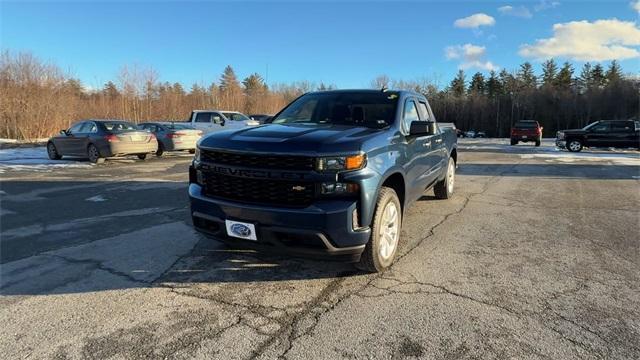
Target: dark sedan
99 139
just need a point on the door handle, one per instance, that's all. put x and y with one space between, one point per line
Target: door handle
438 141
426 144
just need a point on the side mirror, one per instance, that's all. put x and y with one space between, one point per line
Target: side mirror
422 128
63 132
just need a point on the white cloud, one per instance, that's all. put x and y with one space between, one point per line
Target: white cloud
474 21
635 5
519 11
546 4
588 41
471 56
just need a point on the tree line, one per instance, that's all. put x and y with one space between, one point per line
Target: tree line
37 99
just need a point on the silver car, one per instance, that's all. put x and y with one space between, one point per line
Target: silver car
99 139
173 136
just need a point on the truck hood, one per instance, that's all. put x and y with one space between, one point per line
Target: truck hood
301 139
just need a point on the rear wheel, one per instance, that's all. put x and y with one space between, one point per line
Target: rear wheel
142 156
382 247
574 145
514 142
160 150
93 154
53 152
444 189
538 142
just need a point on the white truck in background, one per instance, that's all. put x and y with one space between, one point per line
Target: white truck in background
218 120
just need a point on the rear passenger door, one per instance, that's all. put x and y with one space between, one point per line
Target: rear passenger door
600 135
622 133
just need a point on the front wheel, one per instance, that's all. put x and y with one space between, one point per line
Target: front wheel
381 249
574 145
53 152
444 189
142 156
538 142
160 150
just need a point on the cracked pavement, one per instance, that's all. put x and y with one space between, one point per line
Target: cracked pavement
532 258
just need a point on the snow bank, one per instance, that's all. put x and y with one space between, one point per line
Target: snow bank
34 159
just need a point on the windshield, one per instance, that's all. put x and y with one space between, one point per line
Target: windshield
526 125
119 126
235 116
369 109
177 126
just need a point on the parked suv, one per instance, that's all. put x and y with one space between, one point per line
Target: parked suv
604 133
526 131
331 176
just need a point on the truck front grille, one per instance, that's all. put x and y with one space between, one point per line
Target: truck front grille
258 161
259 191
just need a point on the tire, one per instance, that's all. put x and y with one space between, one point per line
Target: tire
53 152
382 247
514 142
574 145
142 156
192 151
444 189
94 154
538 142
160 150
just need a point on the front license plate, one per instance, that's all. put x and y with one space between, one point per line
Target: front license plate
241 230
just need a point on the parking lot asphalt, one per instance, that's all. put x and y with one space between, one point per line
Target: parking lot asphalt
536 256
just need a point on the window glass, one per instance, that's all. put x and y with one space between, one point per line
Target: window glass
89 127
119 125
76 128
600 127
368 109
424 111
410 114
621 126
235 116
203 117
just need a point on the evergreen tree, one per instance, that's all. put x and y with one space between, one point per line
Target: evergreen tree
564 79
598 76
549 73
526 77
477 84
585 80
614 72
110 90
493 86
228 80
457 85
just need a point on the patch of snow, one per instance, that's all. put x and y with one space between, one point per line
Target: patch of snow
34 159
97 198
620 158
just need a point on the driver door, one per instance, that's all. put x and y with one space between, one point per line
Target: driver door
418 152
67 143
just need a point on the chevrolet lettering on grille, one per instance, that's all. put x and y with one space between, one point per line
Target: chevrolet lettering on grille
251 173
298 188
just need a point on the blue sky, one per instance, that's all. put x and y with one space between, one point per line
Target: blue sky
347 44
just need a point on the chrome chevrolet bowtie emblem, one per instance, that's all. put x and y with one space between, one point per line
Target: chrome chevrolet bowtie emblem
298 188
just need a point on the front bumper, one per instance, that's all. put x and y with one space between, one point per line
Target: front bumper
172 145
562 144
323 229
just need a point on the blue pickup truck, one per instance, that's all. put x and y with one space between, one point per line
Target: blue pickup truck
331 176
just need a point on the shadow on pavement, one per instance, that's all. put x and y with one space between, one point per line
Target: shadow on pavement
569 171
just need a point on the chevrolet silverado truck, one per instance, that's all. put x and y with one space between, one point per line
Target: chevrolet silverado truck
331 176
604 133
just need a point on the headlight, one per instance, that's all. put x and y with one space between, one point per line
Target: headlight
339 163
560 135
196 156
